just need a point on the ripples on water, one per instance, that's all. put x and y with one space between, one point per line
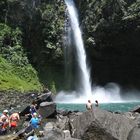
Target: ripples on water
115 107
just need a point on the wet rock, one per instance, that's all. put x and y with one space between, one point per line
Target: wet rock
47 109
136 109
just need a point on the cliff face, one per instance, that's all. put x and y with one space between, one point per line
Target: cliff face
111 31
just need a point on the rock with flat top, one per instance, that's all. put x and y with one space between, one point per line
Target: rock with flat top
47 109
102 125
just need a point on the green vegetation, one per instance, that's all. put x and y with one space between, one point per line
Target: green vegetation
53 88
15 78
40 42
15 71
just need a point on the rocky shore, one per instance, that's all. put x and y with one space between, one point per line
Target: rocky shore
97 124
16 100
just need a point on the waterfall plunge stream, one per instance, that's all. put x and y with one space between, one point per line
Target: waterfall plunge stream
85 89
85 84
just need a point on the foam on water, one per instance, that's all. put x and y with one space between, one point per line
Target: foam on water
111 93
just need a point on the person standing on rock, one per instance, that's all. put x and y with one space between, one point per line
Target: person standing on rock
14 119
33 108
89 105
4 119
35 121
96 103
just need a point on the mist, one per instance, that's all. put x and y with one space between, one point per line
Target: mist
110 93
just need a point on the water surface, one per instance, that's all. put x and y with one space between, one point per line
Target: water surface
115 107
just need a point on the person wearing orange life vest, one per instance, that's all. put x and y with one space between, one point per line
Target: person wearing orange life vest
14 119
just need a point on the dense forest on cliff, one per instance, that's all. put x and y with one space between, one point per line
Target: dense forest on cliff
32 35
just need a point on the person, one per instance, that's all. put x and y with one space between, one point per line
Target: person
30 110
89 105
33 108
4 121
96 103
35 121
14 119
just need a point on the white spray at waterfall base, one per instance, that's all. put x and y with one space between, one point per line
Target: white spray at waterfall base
108 94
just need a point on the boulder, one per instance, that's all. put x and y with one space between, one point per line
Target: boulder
113 126
45 97
47 109
52 132
134 133
95 132
136 109
62 122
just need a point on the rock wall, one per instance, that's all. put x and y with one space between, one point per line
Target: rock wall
111 31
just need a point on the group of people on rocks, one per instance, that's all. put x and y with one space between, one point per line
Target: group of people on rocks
89 105
9 122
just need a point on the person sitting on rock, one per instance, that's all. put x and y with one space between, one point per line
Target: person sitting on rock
89 105
14 119
96 103
4 120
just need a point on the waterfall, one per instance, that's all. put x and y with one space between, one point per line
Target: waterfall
67 52
111 93
85 85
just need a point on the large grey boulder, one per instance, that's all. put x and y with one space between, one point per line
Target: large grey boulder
95 132
113 126
52 132
134 133
47 109
45 97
